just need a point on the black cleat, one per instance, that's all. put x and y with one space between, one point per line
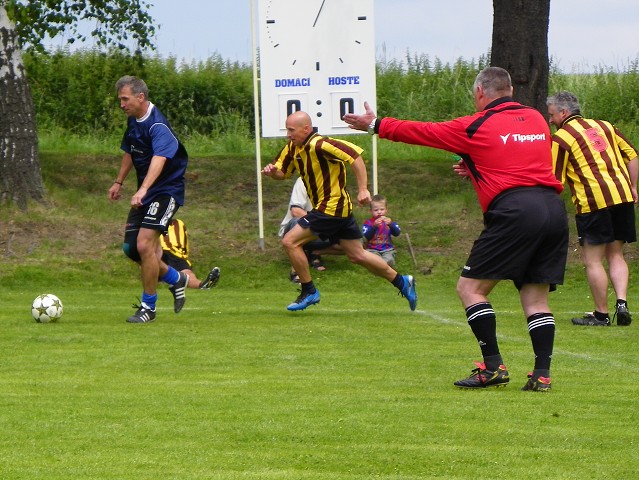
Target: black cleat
211 279
622 315
179 292
482 378
537 383
143 314
590 320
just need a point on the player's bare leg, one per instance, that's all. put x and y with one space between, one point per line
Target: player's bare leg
377 266
292 243
373 263
593 256
148 244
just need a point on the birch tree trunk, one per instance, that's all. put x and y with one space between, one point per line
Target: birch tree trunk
20 174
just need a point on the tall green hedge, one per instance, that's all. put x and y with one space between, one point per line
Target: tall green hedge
74 91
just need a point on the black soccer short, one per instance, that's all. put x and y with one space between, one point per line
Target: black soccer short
328 227
607 225
157 216
176 262
525 239
313 244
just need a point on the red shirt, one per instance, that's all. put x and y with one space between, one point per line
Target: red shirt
504 146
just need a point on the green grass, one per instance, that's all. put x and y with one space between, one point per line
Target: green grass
236 387
356 387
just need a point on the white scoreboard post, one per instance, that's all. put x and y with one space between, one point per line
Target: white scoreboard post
317 56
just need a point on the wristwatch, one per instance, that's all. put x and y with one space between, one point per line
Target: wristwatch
371 126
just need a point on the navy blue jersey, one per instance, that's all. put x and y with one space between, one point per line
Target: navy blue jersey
152 136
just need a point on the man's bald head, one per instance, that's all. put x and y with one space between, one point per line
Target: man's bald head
298 127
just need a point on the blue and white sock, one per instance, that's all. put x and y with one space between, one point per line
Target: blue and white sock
149 300
171 276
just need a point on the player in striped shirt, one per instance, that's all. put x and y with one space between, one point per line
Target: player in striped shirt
175 253
600 166
321 163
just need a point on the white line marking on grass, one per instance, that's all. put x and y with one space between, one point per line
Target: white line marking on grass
446 320
440 318
600 360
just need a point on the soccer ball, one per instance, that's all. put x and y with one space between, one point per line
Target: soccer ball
46 308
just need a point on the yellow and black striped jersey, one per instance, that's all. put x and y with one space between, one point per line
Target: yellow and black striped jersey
176 241
591 157
321 163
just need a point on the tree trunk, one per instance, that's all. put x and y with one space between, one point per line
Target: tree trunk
20 175
520 45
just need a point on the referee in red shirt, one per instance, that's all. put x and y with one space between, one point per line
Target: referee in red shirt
505 150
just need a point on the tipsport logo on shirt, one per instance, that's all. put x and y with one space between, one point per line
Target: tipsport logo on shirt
523 138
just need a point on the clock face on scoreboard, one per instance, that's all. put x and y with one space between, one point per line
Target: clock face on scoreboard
317 56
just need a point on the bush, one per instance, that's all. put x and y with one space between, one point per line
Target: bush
74 91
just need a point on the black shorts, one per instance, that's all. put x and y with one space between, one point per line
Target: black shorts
525 239
156 215
313 244
328 227
607 225
176 262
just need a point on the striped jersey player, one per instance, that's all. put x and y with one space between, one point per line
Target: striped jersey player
321 163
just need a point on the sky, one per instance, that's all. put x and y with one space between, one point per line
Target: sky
583 34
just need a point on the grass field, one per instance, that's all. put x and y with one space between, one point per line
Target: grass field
236 387
355 387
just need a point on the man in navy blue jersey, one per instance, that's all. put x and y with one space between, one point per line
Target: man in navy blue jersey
152 148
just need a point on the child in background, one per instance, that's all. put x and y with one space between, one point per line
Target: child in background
379 229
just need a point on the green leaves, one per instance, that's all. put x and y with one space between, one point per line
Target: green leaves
124 24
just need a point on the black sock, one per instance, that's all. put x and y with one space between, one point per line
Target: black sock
541 327
398 282
540 373
308 287
493 362
602 317
483 323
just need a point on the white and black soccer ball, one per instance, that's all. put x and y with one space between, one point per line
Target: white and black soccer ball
46 308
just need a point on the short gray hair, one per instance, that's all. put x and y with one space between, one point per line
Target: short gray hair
137 85
494 81
565 101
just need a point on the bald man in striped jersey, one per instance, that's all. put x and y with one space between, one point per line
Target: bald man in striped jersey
600 166
321 163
